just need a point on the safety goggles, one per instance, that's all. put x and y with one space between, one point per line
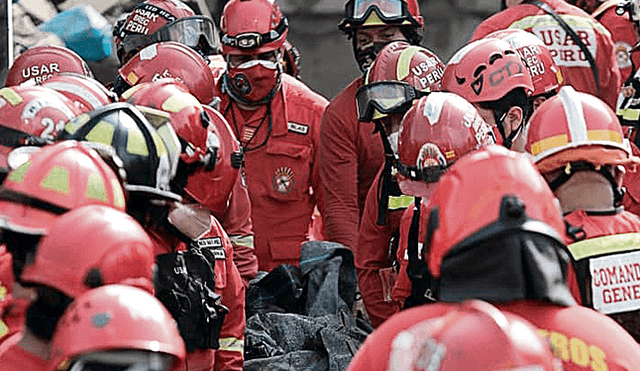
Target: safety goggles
429 174
253 40
358 11
189 31
123 360
385 97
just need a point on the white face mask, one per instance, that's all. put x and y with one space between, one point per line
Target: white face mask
393 141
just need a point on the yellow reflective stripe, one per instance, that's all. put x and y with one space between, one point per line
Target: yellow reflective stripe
132 78
547 20
231 345
246 241
374 20
136 144
399 202
179 101
161 150
72 126
127 94
101 133
606 135
604 245
11 96
57 180
549 143
404 62
17 176
4 329
629 114
118 193
96 189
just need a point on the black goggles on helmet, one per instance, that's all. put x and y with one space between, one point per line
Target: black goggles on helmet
252 40
197 32
390 11
428 174
385 97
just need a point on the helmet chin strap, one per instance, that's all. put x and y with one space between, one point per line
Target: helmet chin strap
507 140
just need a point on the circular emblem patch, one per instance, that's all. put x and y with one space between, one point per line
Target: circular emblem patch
283 180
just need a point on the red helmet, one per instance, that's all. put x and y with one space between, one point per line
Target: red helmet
168 60
211 188
576 127
485 71
400 72
164 20
42 62
473 335
54 180
116 318
545 74
486 193
252 27
31 115
435 132
91 246
86 93
364 13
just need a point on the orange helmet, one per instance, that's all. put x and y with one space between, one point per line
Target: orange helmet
42 62
576 127
486 193
164 20
103 246
212 188
31 115
436 132
117 325
252 27
168 60
485 71
86 93
545 74
398 76
473 335
54 180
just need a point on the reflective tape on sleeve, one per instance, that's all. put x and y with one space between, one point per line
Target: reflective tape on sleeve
231 345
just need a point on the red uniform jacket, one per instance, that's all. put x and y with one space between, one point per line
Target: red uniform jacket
280 170
567 55
13 357
606 265
602 345
623 35
375 274
229 285
349 157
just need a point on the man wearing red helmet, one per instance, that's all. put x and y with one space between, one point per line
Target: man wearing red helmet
492 230
350 155
583 154
587 59
43 62
277 120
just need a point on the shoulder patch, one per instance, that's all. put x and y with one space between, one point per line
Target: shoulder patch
211 243
298 128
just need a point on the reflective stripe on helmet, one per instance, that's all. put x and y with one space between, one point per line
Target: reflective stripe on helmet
102 133
11 96
96 189
57 180
404 62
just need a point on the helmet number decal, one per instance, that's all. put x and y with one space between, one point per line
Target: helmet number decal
50 127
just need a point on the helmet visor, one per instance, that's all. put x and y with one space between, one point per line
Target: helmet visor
196 32
384 97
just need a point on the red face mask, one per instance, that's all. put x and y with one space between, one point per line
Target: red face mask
255 81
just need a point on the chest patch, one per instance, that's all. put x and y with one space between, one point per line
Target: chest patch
283 180
615 282
298 128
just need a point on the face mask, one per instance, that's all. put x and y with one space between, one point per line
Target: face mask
365 55
393 141
255 81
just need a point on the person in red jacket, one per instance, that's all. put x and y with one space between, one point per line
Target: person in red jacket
350 154
277 120
473 335
493 231
585 170
574 63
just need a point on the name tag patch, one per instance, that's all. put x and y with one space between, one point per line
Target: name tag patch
211 243
298 128
615 282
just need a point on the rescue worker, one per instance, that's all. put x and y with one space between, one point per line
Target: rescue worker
493 231
473 335
621 29
349 154
490 74
212 159
400 75
106 328
154 200
107 246
595 72
43 62
585 173
277 120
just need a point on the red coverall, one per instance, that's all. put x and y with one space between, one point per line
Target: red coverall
567 55
375 275
229 285
280 170
349 157
623 35
13 357
606 265
583 339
